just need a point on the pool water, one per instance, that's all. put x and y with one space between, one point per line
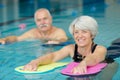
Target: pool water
106 12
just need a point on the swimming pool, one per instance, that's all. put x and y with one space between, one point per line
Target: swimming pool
19 53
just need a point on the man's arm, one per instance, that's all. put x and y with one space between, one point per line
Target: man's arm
10 39
27 35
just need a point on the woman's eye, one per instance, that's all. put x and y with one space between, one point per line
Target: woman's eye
84 31
76 32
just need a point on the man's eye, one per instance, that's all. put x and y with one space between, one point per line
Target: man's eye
45 18
38 20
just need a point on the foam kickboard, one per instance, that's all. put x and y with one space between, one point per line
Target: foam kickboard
42 69
90 70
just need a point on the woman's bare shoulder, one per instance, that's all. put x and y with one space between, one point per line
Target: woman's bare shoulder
69 48
101 49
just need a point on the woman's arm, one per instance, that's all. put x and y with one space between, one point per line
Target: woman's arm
49 58
96 57
91 60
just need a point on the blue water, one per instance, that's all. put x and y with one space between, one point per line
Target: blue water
63 12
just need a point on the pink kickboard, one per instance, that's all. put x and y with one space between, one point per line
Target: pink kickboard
90 70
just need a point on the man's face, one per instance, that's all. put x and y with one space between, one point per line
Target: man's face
43 20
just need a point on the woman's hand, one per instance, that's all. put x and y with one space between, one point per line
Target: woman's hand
80 69
32 66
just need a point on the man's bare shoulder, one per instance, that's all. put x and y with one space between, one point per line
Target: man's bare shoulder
33 29
59 29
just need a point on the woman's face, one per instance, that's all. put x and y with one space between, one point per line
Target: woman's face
82 37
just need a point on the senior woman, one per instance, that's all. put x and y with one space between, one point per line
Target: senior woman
84 51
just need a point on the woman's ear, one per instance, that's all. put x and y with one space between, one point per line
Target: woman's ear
73 29
92 37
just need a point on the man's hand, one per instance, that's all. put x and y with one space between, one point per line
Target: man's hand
53 42
2 41
8 39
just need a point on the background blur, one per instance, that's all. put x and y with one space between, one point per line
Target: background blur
14 13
